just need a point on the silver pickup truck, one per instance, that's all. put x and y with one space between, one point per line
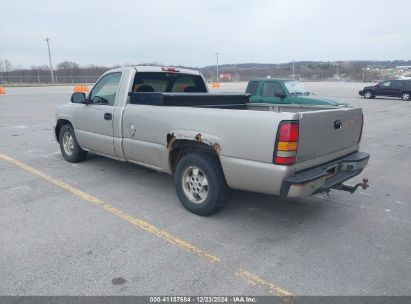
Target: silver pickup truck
165 119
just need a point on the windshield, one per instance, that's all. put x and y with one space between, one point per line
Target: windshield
295 87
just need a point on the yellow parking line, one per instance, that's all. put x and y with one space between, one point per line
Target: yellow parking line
261 282
250 277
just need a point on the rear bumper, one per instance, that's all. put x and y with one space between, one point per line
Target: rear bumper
324 177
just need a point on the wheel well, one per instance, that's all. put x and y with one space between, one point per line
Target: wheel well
59 125
179 148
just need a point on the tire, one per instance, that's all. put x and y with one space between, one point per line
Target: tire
68 145
368 94
200 183
406 96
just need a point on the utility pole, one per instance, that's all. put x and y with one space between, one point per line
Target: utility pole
217 67
336 64
51 66
293 71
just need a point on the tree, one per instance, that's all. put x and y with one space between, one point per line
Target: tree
40 68
7 65
67 66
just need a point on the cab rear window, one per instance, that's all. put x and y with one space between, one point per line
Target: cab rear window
168 82
252 87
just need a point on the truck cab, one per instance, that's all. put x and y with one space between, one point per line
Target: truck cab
284 91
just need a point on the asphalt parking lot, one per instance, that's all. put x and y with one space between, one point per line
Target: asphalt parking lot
103 227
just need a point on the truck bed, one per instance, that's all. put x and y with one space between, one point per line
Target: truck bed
235 101
326 132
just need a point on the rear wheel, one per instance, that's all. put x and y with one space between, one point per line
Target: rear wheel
200 183
368 95
405 96
68 145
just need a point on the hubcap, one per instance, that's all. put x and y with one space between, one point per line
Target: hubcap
368 95
195 184
405 96
68 143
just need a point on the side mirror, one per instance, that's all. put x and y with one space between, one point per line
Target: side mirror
78 97
279 94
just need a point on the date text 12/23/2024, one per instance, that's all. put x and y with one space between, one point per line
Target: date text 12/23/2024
203 299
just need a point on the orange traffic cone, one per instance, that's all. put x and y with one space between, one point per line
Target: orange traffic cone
81 88
2 90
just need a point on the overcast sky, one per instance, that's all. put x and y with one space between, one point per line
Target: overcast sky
189 32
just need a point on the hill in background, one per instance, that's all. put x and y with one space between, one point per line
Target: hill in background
314 70
71 72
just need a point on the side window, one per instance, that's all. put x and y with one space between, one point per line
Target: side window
252 87
270 88
397 84
105 91
386 84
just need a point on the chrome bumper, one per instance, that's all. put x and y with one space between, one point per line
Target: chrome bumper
325 177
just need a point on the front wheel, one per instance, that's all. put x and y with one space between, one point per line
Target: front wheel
69 147
368 95
200 183
405 96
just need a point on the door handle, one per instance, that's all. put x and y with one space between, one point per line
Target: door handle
132 130
108 116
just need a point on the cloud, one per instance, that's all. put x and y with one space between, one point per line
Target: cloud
188 32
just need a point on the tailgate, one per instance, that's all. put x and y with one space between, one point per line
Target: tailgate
327 134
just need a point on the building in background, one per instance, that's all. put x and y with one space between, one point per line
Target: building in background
226 76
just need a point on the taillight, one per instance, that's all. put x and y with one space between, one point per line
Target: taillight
286 144
280 160
362 126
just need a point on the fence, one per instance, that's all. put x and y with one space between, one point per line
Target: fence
16 80
37 79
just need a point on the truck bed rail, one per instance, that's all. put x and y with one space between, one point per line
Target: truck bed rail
204 100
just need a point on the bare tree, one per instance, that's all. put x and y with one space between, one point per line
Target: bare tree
40 67
7 65
67 67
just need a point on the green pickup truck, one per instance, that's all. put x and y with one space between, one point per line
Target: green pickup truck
285 91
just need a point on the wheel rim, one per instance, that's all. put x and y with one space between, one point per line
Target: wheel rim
68 143
405 96
367 95
195 184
